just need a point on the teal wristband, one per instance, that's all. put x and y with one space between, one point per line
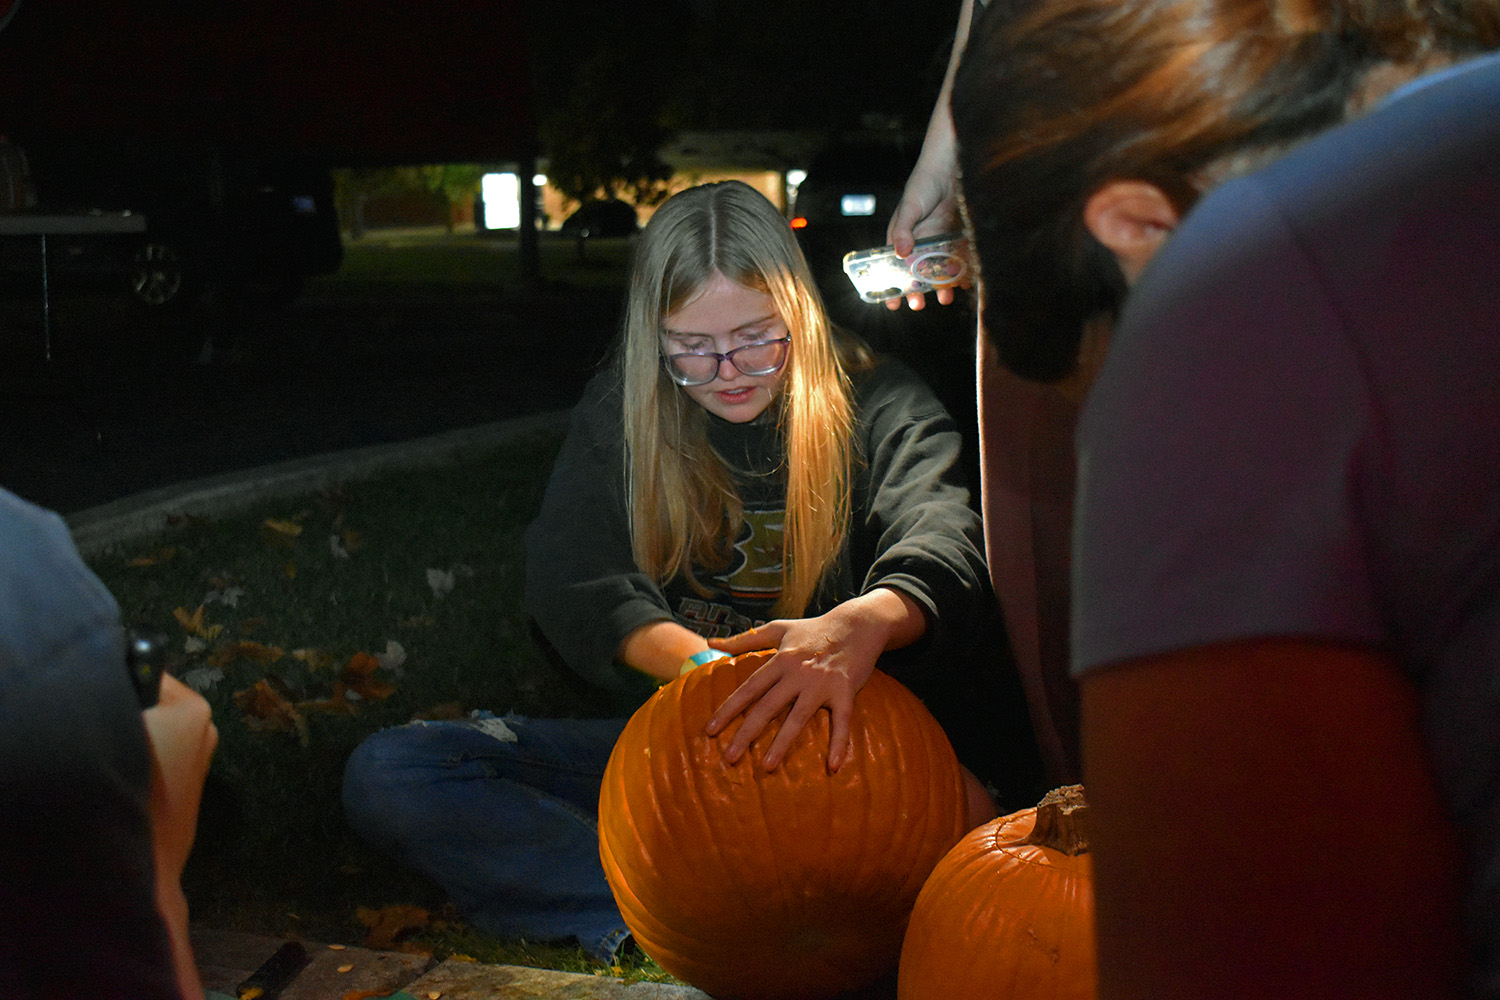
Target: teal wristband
699 659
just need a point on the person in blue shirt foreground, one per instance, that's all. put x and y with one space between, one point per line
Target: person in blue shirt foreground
98 797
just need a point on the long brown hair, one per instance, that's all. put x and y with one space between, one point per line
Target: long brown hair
1053 98
681 498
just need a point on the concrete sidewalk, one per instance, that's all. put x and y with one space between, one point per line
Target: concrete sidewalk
143 514
333 972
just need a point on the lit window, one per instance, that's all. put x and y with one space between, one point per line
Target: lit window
502 201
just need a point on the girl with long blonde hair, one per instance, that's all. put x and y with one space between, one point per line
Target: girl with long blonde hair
746 427
680 494
740 476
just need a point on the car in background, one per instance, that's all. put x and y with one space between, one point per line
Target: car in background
844 204
249 228
601 218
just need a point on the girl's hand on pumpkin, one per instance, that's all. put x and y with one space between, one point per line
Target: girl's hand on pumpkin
820 662
815 666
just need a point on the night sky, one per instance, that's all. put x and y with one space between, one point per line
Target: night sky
346 81
349 82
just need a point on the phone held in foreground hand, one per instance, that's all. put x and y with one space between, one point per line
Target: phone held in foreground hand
936 262
145 659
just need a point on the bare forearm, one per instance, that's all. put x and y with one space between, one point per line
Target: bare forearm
942 120
173 907
1264 824
659 648
891 611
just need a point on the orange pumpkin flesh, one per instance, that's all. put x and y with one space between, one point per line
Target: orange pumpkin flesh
1009 912
793 883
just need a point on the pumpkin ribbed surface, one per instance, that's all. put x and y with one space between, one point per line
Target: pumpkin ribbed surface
1004 917
791 883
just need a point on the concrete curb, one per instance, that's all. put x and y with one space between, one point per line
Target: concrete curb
98 529
336 972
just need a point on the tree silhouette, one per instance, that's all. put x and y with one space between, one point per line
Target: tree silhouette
613 83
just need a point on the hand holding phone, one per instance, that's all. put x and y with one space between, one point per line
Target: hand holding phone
145 658
935 263
181 736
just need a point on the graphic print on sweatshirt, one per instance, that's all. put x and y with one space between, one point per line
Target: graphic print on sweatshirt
745 591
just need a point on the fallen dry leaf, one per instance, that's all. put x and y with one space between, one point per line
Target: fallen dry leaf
357 676
203 679
228 596
355 683
266 709
190 623
287 529
441 581
344 542
361 663
194 624
389 925
394 656
155 558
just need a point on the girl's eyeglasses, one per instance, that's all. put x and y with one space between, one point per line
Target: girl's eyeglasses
701 367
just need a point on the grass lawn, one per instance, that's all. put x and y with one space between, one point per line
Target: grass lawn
311 622
469 260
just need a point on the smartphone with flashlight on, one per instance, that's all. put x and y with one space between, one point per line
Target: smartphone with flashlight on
145 659
936 262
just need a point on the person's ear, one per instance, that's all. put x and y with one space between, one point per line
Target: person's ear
1132 219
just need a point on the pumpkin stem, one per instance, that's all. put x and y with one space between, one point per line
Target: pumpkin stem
1061 821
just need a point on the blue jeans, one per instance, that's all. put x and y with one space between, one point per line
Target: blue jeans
502 814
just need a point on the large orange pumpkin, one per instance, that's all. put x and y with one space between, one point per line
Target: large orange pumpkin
793 883
1009 912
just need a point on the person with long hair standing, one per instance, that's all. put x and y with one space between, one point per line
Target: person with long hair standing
741 476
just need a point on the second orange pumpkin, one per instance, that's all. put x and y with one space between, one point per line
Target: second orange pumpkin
1009 912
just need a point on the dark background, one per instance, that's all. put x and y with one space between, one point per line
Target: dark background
122 406
350 81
